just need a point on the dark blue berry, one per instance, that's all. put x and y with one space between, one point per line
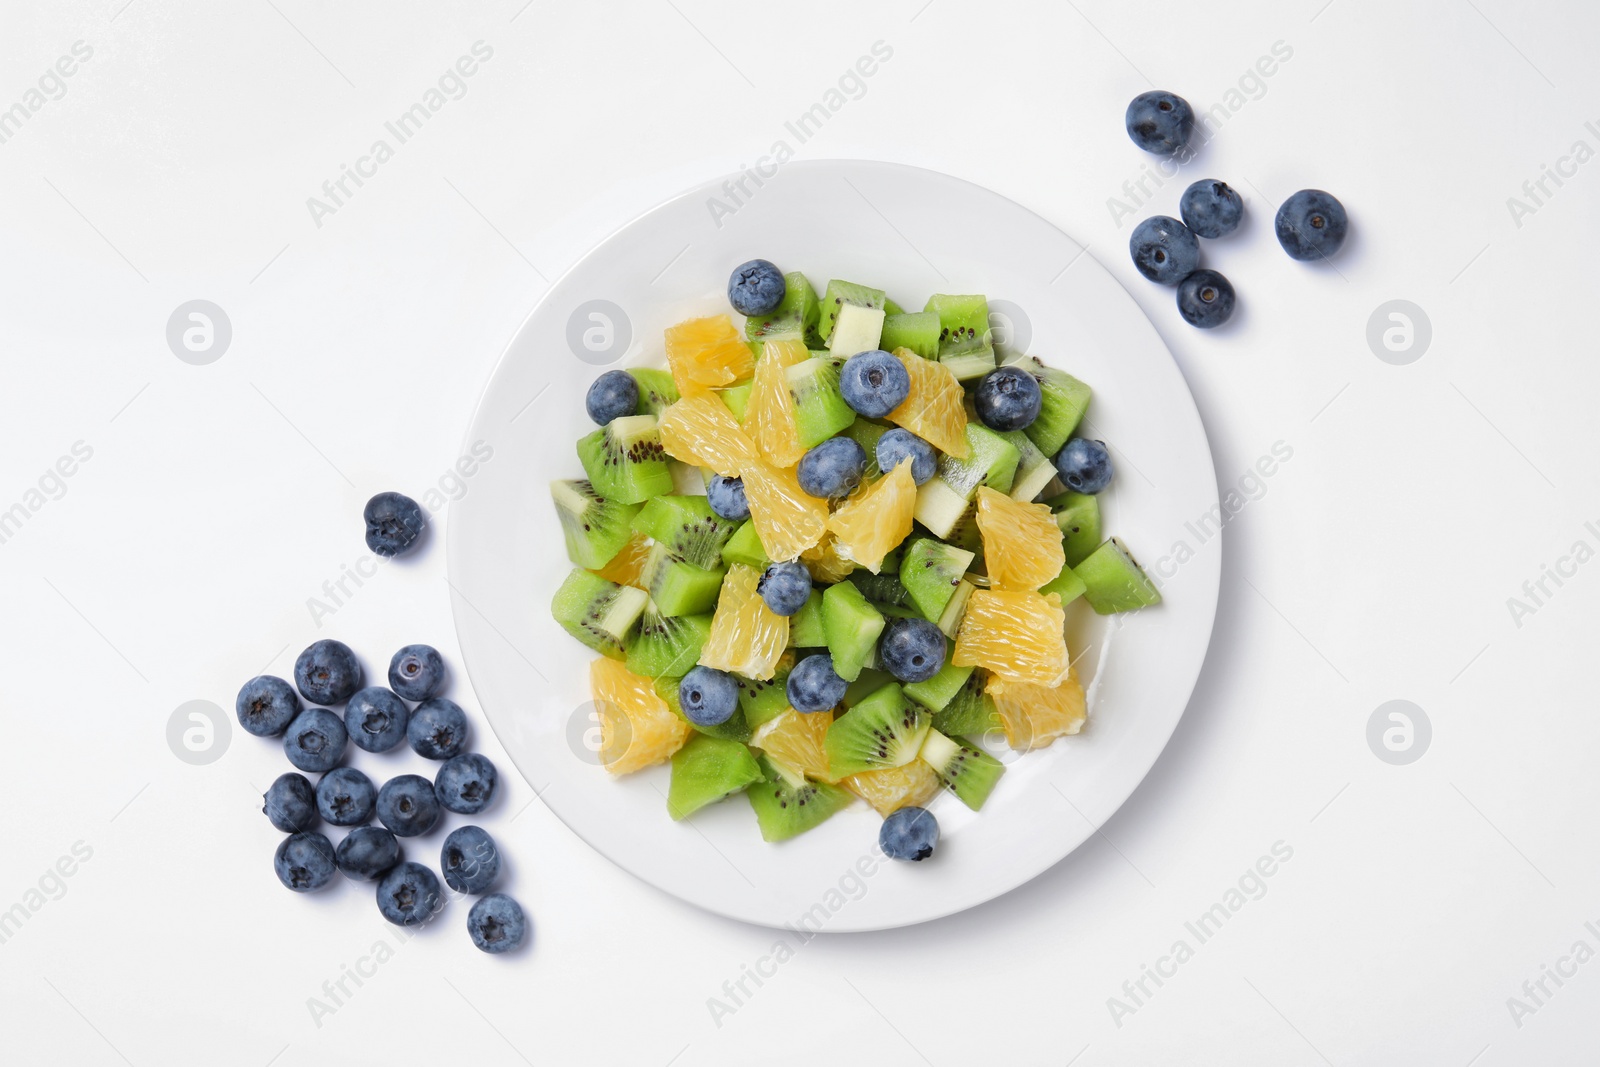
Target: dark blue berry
438 729
1008 399
394 522
785 587
1311 224
1211 208
345 797
290 803
611 396
911 649
327 672
266 705
1205 299
496 923
469 860
376 719
315 740
726 497
832 469
304 862
874 383
416 672
756 288
814 685
897 445
909 834
1159 121
367 853
1164 250
1084 465
708 697
408 894
407 805
465 784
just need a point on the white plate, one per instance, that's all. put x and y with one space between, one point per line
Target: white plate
914 232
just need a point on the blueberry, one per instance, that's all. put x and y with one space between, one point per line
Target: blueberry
290 803
394 522
756 288
315 740
1159 121
465 784
874 383
407 805
785 587
611 396
438 729
726 497
416 672
1008 399
909 834
897 444
376 719
1164 249
1311 224
345 797
470 861
911 649
408 894
496 923
327 672
367 853
266 705
814 685
1084 465
1211 208
304 862
708 696
834 468
1205 299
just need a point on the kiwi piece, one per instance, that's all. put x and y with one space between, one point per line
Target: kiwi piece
943 499
884 589
819 407
657 390
706 770
1067 585
956 610
851 626
936 693
1062 401
762 701
737 399
805 625
599 613
968 773
735 729
892 308
869 681
918 331
857 330
625 461
970 712
883 729
837 295
1035 470
965 533
666 644
745 547
784 809
794 319
595 528
1113 580
679 588
931 571
1078 515
964 336
866 433
688 527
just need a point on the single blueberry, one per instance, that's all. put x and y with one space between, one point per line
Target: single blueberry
726 497
416 672
345 797
1205 299
438 729
1311 224
1084 465
756 288
1008 399
897 444
266 705
376 719
874 383
496 923
407 805
1159 121
315 740
290 803
832 469
909 834
911 649
708 696
327 672
367 853
1164 250
1211 208
814 685
408 894
304 862
394 522
611 396
785 587
465 784
469 860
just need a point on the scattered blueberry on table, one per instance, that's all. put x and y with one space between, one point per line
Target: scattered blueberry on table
376 719
327 672
1159 121
438 729
1164 250
1211 208
394 522
304 862
417 672
496 923
290 803
266 705
470 861
1311 225
466 783
1205 299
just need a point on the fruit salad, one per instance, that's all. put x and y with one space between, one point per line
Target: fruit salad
827 548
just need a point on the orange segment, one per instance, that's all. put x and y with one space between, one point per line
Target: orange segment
637 729
1021 541
795 740
707 353
627 566
701 431
1032 715
825 563
1017 635
935 410
894 788
746 636
788 519
876 518
769 419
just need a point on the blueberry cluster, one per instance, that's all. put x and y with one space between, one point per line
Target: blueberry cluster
377 719
1310 225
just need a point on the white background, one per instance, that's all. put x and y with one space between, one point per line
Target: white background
179 559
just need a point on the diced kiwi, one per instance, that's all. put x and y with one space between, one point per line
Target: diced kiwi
805 625
625 461
1035 470
784 810
736 398
595 528
837 295
869 681
956 609
892 308
763 701
965 534
866 433
657 390
1078 515
969 366
1113 580
1062 401
943 499
795 319
687 480
918 331
745 547
884 589
680 588
819 407
971 711
687 526
599 613
706 770
1067 585
882 730
930 572
734 729
851 626
857 330
936 693
964 335
968 773
666 644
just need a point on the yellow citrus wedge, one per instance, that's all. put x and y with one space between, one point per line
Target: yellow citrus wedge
788 519
876 518
824 562
637 729
769 418
1015 634
893 788
1033 715
747 637
706 353
701 431
1021 541
795 740
935 410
